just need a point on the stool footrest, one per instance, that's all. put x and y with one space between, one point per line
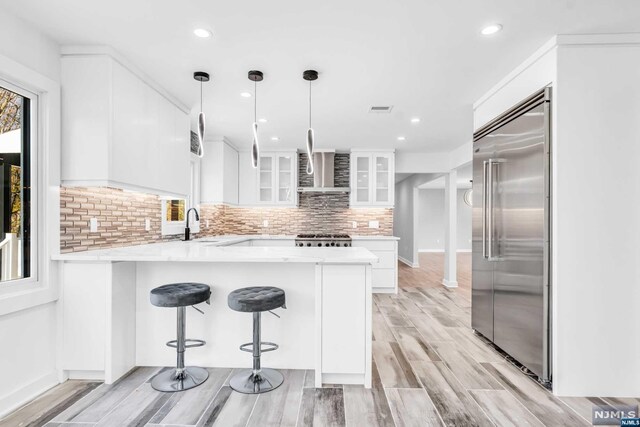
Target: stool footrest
188 343
268 346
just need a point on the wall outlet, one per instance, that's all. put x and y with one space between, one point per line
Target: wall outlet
206 223
374 224
147 224
93 225
354 224
265 223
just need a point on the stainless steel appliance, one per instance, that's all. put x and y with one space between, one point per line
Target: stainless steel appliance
511 237
323 240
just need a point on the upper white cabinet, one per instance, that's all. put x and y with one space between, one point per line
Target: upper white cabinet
372 178
219 173
118 130
273 183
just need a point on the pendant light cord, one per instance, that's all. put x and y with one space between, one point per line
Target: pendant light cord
309 104
200 95
255 101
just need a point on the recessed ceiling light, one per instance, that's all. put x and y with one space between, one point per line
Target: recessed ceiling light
245 94
415 120
491 29
275 138
402 138
202 32
262 120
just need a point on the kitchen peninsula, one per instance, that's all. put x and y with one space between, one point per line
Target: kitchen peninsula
109 326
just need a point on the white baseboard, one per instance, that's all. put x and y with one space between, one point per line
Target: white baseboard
407 262
384 290
463 251
86 375
450 284
27 393
343 378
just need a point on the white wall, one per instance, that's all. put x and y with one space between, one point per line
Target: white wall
24 44
431 221
28 331
597 220
595 205
403 216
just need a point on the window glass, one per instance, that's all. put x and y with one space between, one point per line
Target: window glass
15 198
175 210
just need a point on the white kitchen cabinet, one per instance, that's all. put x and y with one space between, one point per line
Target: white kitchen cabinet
219 173
372 178
385 272
119 129
273 183
98 304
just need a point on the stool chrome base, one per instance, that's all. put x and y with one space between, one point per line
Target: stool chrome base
247 382
171 381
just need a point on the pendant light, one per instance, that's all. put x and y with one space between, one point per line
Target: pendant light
310 75
255 76
201 76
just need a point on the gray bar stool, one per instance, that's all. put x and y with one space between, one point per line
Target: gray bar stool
180 296
256 299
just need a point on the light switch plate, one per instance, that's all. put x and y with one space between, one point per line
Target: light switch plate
265 223
93 225
374 224
206 223
147 224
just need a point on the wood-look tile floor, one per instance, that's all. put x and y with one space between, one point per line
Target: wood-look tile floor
429 369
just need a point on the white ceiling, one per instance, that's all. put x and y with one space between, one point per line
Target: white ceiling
424 57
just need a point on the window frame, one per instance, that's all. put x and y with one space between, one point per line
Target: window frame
36 253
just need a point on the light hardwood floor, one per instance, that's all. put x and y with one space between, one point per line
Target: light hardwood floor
429 369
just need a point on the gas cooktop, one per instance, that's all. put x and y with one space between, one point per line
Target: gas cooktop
323 240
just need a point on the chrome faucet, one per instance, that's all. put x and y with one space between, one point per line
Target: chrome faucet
187 230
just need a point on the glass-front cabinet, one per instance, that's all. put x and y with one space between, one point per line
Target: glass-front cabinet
277 179
372 178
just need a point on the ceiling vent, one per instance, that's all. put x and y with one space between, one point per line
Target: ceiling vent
380 108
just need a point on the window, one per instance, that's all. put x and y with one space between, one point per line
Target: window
16 114
175 210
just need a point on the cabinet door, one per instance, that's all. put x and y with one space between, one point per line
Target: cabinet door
129 143
361 179
285 178
266 179
382 179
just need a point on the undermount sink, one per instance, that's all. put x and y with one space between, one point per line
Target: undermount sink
207 240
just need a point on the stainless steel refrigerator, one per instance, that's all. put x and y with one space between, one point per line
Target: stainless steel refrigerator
511 233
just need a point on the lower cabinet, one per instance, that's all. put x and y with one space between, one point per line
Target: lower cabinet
345 336
385 272
98 311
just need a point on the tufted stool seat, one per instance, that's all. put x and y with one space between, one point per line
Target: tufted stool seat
180 296
256 299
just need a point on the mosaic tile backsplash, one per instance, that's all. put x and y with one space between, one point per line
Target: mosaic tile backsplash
121 216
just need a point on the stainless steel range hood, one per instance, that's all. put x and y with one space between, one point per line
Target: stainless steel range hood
324 174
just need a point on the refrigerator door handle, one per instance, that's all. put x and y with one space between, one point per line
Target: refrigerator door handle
484 208
491 163
490 209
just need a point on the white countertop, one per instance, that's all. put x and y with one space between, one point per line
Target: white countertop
374 237
217 249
